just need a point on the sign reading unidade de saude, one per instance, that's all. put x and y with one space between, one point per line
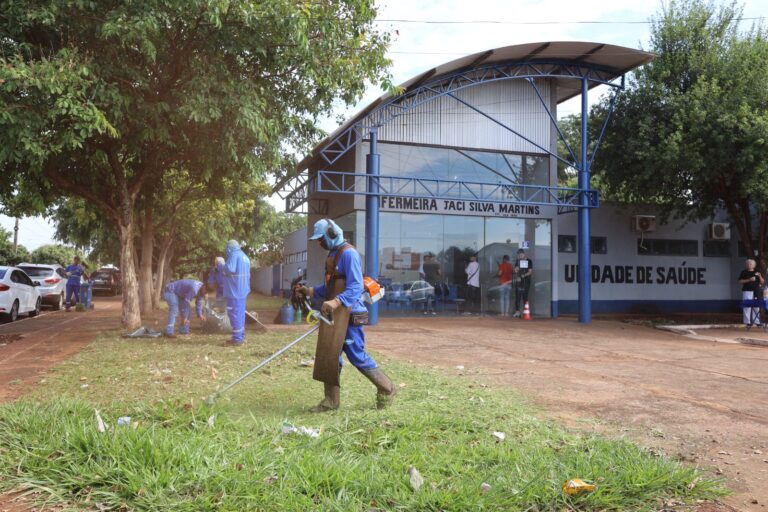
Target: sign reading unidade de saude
463 207
640 274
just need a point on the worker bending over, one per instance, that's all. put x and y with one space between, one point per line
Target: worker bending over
178 294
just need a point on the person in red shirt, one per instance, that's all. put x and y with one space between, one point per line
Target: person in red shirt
505 283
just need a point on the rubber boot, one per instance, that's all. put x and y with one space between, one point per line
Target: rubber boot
331 400
385 388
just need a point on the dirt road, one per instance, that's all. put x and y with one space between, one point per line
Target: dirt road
32 345
702 402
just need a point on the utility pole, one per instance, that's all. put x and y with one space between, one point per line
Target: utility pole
15 236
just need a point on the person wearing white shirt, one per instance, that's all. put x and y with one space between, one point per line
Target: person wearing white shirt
473 286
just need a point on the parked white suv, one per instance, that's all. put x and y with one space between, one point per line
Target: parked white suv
18 294
52 282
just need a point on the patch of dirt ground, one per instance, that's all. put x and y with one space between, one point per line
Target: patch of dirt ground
702 402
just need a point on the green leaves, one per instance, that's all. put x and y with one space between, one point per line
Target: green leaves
689 133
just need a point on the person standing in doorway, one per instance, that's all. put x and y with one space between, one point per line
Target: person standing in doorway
505 284
751 284
473 285
523 273
432 275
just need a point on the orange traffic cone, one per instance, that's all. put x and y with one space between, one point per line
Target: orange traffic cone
526 312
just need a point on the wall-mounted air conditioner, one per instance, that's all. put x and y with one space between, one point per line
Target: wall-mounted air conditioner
644 223
719 231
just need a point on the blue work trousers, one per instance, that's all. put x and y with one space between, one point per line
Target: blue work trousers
354 348
236 314
177 305
72 289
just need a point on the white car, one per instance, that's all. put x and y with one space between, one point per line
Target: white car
52 281
18 294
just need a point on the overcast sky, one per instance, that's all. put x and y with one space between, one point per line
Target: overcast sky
420 46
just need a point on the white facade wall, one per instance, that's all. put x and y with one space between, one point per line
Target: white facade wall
261 280
626 276
447 122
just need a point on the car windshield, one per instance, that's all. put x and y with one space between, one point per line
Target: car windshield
37 271
2 273
100 275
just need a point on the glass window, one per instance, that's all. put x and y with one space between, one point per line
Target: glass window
658 247
462 164
717 248
599 245
37 271
566 243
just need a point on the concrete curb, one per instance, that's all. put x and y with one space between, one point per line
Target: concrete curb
689 331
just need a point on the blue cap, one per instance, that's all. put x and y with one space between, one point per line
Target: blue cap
322 229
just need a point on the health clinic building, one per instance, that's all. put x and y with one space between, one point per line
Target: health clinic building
464 161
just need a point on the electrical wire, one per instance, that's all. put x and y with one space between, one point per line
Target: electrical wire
503 22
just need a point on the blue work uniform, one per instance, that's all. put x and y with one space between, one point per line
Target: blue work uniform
178 294
215 281
75 272
236 283
350 266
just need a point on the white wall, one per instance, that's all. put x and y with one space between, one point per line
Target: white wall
714 276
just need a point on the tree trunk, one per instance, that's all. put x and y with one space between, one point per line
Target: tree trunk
163 260
131 314
145 268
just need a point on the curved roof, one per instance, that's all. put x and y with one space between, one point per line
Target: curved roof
616 60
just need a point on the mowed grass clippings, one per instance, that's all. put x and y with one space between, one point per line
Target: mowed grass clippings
179 454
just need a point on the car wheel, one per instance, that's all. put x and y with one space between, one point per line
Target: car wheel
14 314
36 311
59 303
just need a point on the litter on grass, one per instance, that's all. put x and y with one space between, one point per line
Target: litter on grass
577 486
308 363
484 488
124 421
302 430
499 435
415 477
144 332
99 422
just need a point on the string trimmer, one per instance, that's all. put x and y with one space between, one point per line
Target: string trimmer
312 314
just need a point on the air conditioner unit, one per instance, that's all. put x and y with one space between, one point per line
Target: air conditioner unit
719 231
644 223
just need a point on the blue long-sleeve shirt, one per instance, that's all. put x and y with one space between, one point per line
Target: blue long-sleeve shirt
188 289
75 272
236 274
349 266
215 281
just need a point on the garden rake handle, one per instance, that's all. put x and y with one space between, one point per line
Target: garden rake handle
216 395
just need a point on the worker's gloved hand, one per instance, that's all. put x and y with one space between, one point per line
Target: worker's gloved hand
330 306
201 317
305 291
219 260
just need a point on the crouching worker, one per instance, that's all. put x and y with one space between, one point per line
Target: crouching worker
342 294
178 294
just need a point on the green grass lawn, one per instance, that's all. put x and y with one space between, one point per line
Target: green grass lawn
179 454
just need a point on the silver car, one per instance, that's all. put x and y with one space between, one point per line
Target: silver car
52 282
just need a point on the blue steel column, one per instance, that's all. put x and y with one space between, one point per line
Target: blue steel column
585 256
372 220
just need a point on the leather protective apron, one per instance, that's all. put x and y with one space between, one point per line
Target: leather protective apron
330 339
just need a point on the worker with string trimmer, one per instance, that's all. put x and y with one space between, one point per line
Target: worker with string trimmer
342 293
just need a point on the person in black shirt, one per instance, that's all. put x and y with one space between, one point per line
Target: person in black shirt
522 274
751 285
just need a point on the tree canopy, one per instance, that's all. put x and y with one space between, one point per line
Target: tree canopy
101 100
690 134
